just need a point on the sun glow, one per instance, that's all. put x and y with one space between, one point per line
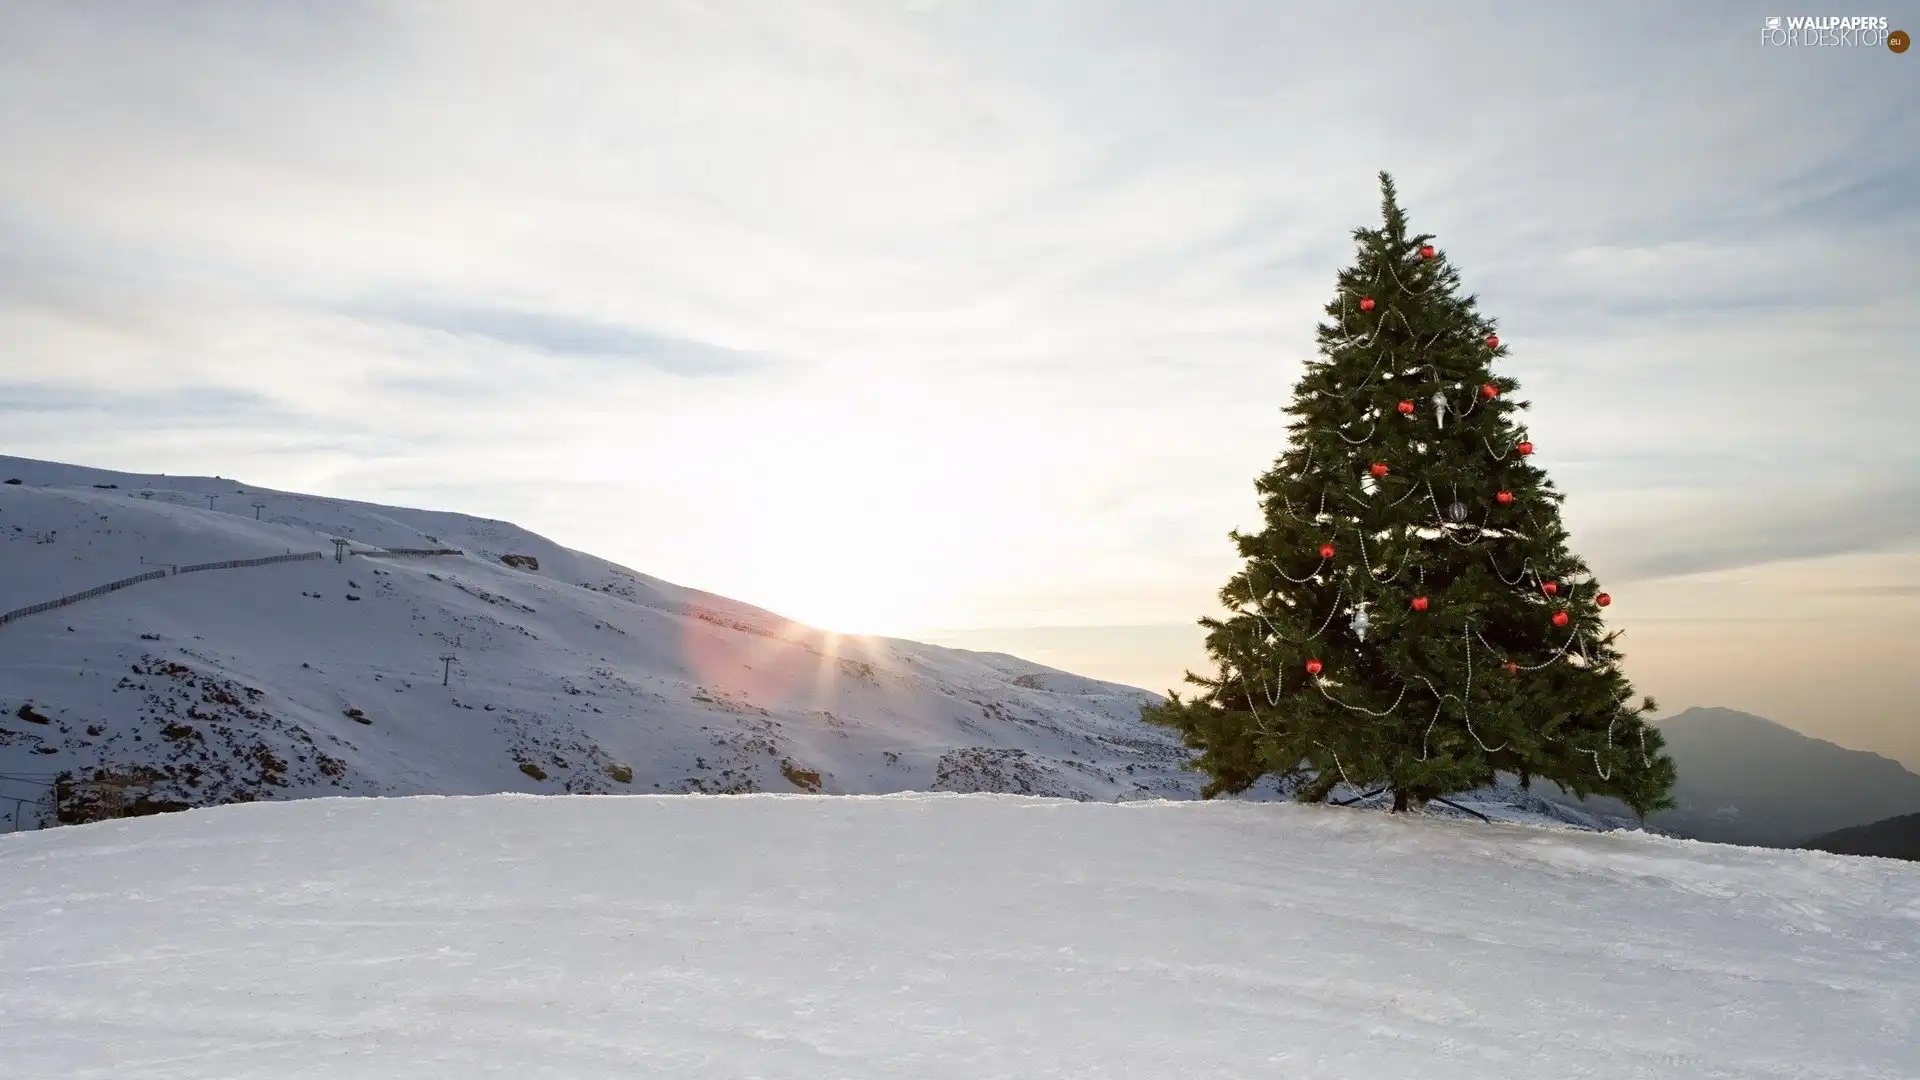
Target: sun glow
850 578
851 517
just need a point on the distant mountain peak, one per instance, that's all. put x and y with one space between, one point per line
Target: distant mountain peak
1781 785
1719 714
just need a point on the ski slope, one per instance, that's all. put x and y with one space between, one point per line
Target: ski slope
577 676
937 936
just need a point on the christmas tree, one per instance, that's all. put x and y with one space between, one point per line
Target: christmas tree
1410 619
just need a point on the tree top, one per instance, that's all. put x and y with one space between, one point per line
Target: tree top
1390 211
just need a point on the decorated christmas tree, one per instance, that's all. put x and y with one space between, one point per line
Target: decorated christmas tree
1410 620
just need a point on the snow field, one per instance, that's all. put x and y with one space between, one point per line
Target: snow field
930 936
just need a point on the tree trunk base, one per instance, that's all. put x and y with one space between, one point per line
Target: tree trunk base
1400 802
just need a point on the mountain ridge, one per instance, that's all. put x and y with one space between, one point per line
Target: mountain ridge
1746 779
1889 838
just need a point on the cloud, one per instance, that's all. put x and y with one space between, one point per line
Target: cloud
1677 531
575 337
1877 590
189 406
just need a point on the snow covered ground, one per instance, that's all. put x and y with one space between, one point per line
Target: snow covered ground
933 936
324 678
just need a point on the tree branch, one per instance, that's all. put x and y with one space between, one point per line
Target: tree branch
1462 809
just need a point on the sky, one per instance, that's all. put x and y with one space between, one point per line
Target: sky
971 322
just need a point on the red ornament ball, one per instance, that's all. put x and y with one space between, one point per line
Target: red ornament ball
1525 448
1489 390
1379 469
1603 599
1426 251
1313 667
1512 668
1504 498
1366 303
1550 587
1559 618
1493 341
1326 551
1419 603
1405 407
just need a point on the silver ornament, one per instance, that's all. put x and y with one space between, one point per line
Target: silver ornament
1360 621
1439 409
1458 511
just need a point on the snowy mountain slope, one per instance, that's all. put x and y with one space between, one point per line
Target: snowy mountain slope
928 936
577 676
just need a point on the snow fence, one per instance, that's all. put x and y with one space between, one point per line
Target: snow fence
112 586
231 564
97 590
389 553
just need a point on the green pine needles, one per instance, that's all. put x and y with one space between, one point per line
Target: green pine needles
1410 618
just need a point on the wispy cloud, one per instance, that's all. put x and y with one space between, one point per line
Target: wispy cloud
572 336
184 407
1663 533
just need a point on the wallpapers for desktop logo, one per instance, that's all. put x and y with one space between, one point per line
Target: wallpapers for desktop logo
1831 30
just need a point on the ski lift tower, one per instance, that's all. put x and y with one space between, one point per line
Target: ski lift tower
339 550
